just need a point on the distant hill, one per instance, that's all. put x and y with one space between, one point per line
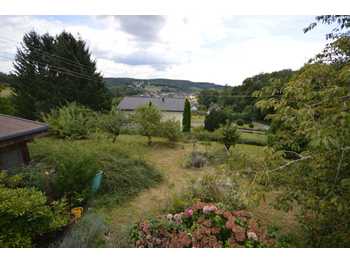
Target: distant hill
180 85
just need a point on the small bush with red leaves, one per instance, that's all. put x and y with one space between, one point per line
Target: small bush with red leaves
202 225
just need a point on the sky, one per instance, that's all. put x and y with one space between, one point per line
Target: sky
218 49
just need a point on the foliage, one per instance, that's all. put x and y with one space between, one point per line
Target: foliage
336 53
112 123
240 122
218 189
229 135
342 23
175 85
148 118
171 130
251 125
89 232
70 166
314 106
214 119
71 173
6 102
204 135
52 71
186 119
125 177
25 214
208 97
71 121
202 225
245 137
239 102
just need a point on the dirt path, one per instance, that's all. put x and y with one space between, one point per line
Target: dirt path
152 201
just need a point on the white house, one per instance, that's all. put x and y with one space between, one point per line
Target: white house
171 108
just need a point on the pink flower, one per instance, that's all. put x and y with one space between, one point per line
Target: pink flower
188 212
209 208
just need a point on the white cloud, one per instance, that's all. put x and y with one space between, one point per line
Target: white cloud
200 48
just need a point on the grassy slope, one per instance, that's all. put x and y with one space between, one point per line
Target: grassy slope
156 200
168 159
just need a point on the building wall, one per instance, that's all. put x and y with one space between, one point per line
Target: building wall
166 115
172 116
14 156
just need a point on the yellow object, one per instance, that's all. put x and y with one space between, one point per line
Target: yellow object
77 212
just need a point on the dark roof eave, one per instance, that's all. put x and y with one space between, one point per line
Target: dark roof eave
32 132
160 110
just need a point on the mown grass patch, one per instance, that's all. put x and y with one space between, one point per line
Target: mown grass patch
253 138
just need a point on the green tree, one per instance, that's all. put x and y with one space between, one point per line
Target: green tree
171 130
71 121
148 118
186 119
342 24
229 135
52 71
315 106
113 122
214 119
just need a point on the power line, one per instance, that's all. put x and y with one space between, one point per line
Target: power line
64 60
58 69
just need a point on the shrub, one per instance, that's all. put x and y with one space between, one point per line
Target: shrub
87 233
203 135
72 170
125 177
76 163
148 118
112 123
71 121
229 135
214 119
251 125
202 225
240 122
170 129
25 215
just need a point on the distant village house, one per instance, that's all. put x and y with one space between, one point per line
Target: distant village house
171 108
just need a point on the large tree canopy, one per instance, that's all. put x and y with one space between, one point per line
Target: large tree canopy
52 71
311 119
339 30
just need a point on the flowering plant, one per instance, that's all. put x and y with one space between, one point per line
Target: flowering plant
202 225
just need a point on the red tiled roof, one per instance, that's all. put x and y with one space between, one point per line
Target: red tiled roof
14 127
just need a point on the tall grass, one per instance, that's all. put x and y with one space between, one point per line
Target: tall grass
76 162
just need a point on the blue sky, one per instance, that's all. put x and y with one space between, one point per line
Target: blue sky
220 49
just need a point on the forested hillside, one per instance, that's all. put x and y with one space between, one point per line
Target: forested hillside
170 83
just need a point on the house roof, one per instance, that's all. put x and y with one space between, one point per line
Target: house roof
163 104
13 128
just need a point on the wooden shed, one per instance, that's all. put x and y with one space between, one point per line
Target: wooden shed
15 133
